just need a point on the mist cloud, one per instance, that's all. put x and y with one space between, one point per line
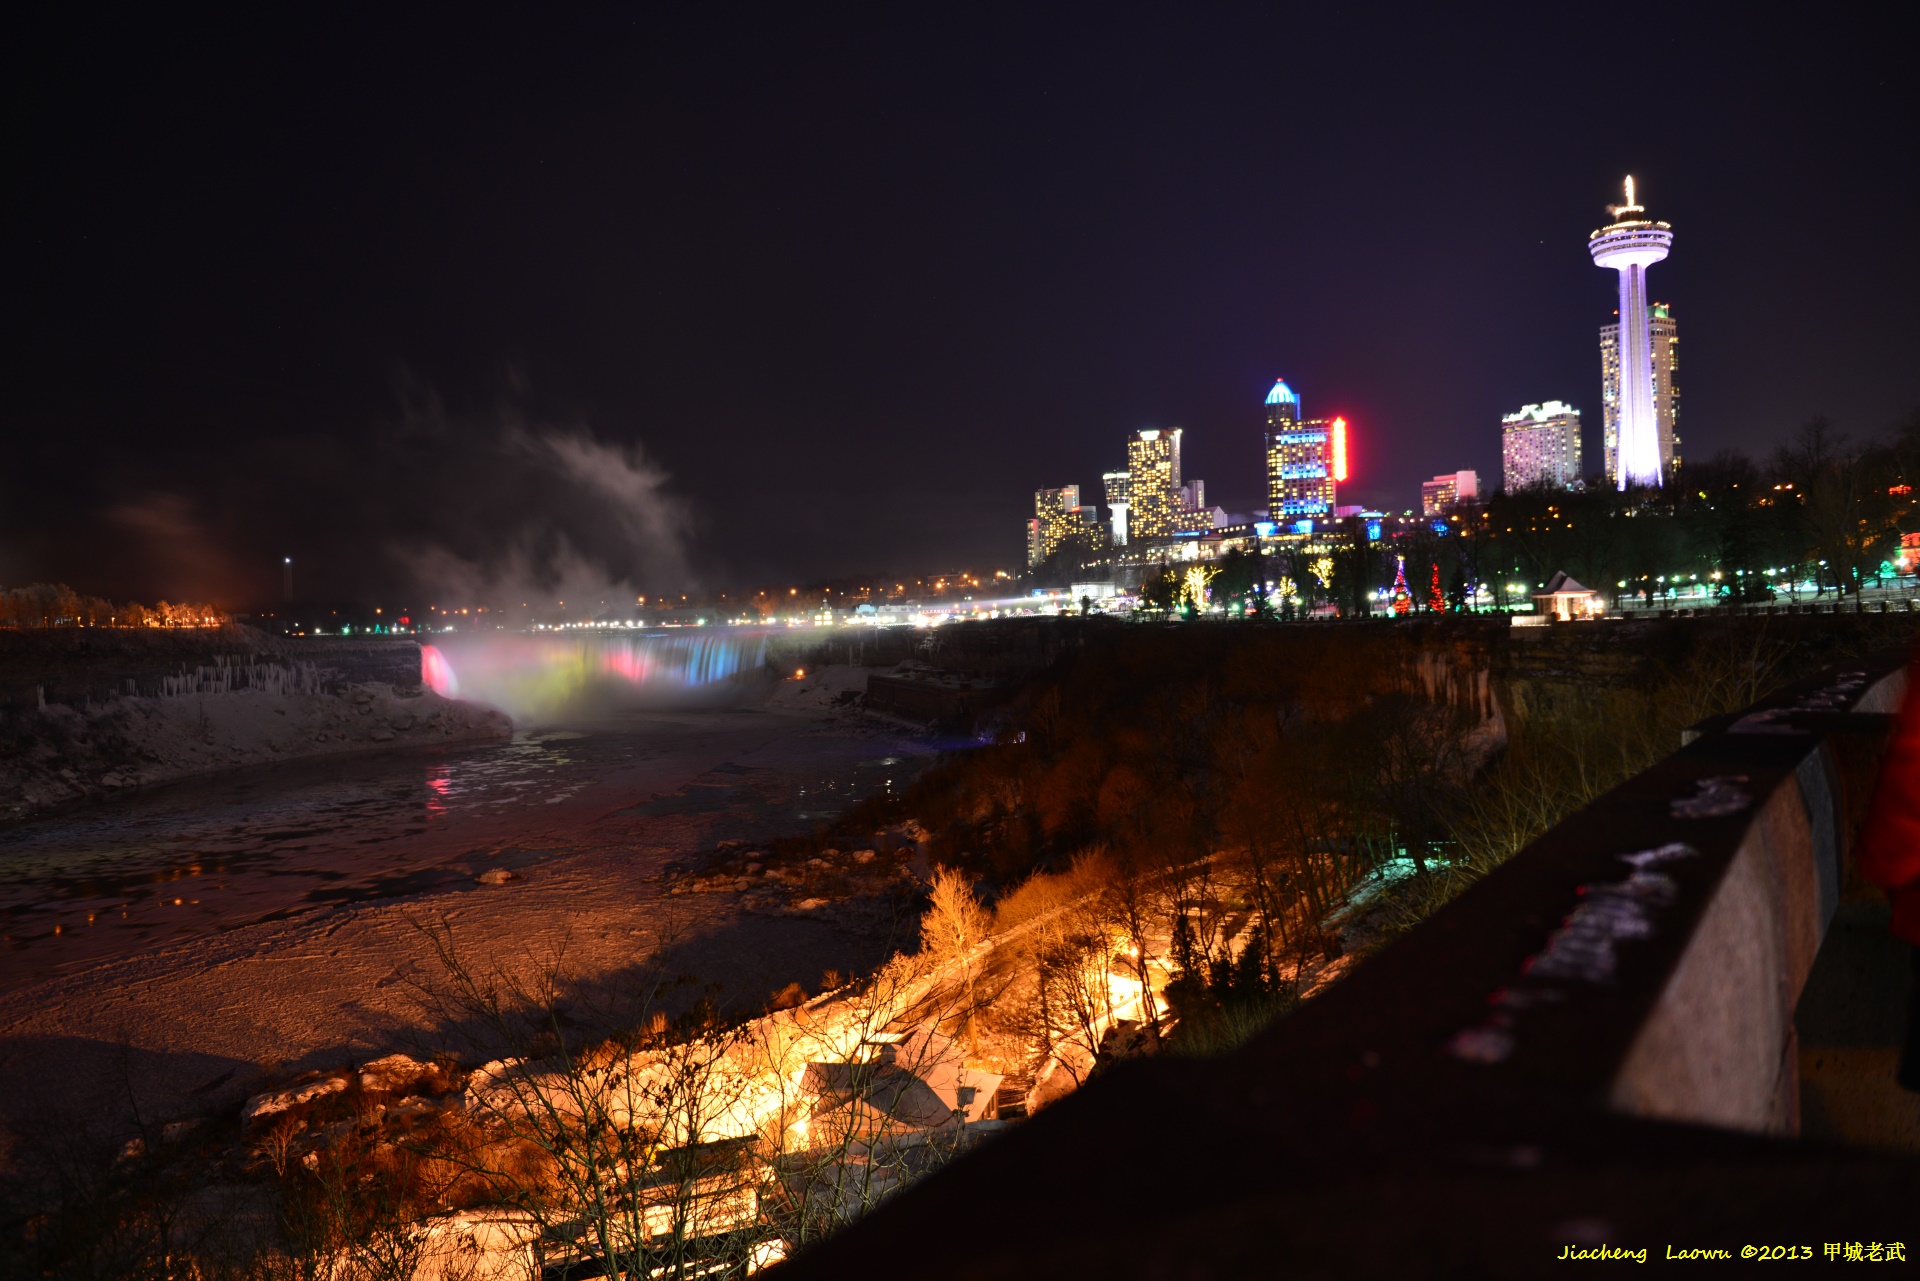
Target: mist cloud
494 506
523 513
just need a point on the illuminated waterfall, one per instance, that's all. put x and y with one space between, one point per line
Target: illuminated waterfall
538 676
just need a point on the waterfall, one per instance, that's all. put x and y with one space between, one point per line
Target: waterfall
536 676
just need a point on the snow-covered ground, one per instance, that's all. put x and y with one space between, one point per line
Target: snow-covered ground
62 753
821 689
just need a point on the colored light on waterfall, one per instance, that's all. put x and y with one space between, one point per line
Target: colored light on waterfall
548 673
437 672
1339 449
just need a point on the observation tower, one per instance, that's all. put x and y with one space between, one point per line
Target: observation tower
1630 244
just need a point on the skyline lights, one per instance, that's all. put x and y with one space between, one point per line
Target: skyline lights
1308 458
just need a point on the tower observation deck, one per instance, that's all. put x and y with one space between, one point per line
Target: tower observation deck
1629 245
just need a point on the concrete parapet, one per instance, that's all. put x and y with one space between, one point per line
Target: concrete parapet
1718 1045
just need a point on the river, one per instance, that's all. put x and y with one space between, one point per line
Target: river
266 915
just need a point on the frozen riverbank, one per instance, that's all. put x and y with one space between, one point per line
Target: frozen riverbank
89 714
272 916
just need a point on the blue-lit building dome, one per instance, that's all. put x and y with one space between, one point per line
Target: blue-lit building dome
1282 394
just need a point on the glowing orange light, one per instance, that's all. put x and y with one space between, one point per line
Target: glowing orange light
1339 449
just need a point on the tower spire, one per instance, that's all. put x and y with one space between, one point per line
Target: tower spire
1619 212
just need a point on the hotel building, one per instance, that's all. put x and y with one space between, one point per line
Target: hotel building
1540 445
1445 492
1153 484
1058 518
1305 458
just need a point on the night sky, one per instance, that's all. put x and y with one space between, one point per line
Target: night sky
400 293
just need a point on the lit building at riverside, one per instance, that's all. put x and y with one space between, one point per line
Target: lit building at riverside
1193 516
1058 519
1306 458
1445 492
1629 245
1540 445
1153 484
1664 333
1118 486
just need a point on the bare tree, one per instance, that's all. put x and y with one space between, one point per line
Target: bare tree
953 927
607 1127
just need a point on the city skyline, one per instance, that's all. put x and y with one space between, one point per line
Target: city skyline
1540 445
419 337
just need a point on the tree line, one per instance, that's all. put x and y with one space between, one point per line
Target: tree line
1823 509
50 605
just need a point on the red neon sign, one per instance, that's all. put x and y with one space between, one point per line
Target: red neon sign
1339 449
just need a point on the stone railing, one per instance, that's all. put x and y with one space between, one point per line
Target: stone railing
1592 1048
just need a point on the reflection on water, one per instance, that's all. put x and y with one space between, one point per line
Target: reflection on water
829 797
110 878
335 806
218 852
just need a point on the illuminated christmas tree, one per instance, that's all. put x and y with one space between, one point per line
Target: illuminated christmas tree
1435 601
1402 598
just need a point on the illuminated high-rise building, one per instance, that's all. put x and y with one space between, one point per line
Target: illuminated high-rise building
1630 244
1540 445
1305 457
1117 483
1153 484
1058 519
1664 334
1445 492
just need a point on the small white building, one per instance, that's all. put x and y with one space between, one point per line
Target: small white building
1566 600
